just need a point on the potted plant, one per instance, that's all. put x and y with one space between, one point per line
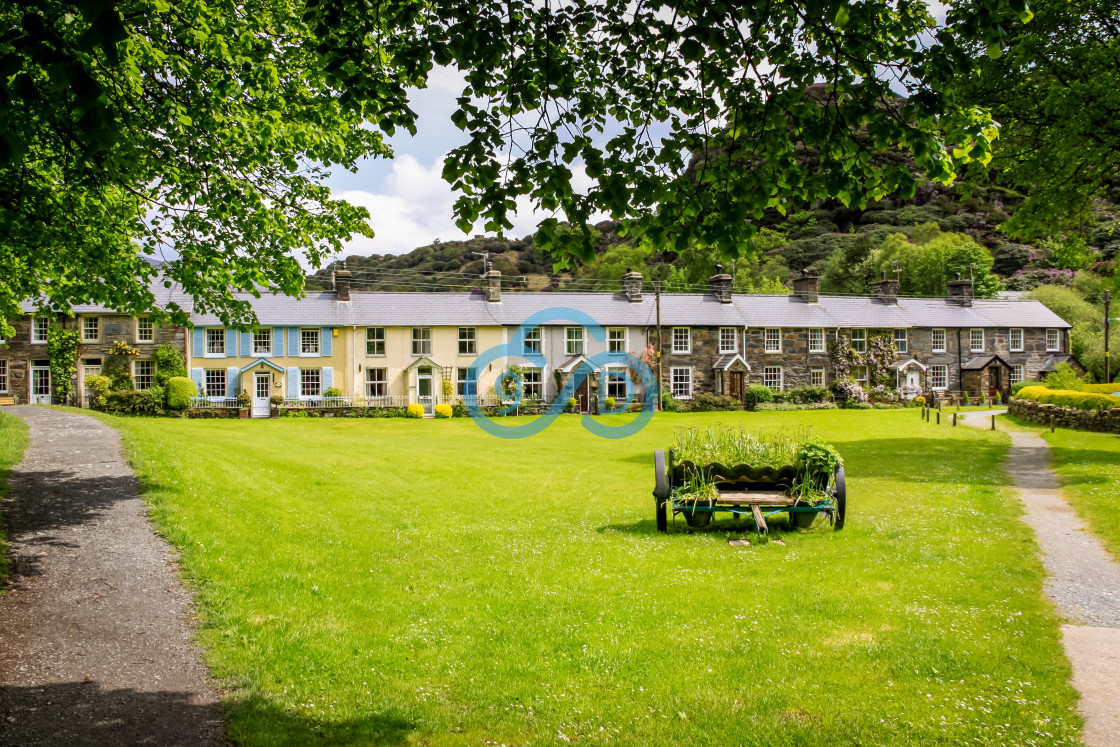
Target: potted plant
275 401
243 402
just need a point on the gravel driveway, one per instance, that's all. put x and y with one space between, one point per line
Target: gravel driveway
95 630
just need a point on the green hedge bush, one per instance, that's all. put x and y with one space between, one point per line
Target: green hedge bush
707 402
97 387
807 394
133 403
179 392
1069 398
1102 388
761 392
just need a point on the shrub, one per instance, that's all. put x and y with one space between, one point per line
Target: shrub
761 392
919 401
332 391
855 404
1019 385
1102 388
669 403
170 364
786 406
415 411
276 400
573 403
120 380
97 387
1065 377
707 402
243 399
133 403
460 410
806 394
964 398
848 391
158 393
443 411
1069 398
608 403
179 392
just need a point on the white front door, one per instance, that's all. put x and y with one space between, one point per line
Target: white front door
424 393
40 386
262 390
913 378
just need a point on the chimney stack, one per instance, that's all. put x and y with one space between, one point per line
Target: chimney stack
961 291
886 289
721 285
807 286
632 286
342 283
493 287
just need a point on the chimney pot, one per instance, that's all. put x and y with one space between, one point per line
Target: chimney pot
720 283
493 286
632 286
807 286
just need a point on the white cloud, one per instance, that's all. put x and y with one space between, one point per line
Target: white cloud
415 206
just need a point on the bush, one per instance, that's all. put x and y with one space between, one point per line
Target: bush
1102 388
243 399
170 364
573 403
608 403
806 394
443 411
669 403
964 398
179 392
332 391
97 387
919 401
787 406
1019 385
415 411
276 400
460 410
120 380
1064 377
158 393
1069 398
133 403
855 404
761 393
707 402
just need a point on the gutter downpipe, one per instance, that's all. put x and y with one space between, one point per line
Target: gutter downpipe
960 363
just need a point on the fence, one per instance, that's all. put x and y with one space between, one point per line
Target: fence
206 403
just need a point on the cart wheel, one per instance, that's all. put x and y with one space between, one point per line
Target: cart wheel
660 490
840 493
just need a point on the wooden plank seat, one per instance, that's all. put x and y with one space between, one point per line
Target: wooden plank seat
5 400
755 498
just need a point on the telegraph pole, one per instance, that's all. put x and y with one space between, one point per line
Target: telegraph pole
657 297
1107 322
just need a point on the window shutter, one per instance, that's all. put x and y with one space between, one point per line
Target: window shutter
293 383
246 344
199 383
278 341
328 378
325 341
293 341
231 342
231 382
199 336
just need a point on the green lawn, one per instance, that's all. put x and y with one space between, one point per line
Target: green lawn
13 440
1089 467
401 581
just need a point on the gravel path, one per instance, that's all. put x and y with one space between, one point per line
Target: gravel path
95 630
1083 581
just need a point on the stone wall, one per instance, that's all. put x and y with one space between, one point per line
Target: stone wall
1103 421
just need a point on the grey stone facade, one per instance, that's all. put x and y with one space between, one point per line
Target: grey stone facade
21 354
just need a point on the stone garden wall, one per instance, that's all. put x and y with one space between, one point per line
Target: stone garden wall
1103 421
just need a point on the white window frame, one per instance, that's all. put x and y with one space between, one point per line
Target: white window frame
305 337
36 321
934 334
1056 346
728 334
861 379
310 378
90 369
3 375
209 333
468 344
816 377
145 324
421 341
532 388
934 372
859 343
372 382
136 376
816 341
257 336
1018 373
534 339
902 344
375 336
1012 345
680 386
462 373
682 343
772 340
972 336
768 373
616 340
616 377
573 340
211 377
91 323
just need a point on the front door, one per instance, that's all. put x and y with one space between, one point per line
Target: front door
993 381
913 379
40 386
735 385
583 394
424 390
262 390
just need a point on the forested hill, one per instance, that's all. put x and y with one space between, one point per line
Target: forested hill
939 231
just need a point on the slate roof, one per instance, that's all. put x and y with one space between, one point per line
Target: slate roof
981 362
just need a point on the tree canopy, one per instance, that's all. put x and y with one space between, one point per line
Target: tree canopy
203 129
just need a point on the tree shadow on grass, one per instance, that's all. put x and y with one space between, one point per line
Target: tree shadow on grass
1073 459
85 713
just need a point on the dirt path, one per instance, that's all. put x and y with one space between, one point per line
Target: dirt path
95 637
1083 581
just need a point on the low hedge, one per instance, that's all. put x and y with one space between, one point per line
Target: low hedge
785 406
179 392
1067 398
1102 388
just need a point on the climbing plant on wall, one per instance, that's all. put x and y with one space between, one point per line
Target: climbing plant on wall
63 346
